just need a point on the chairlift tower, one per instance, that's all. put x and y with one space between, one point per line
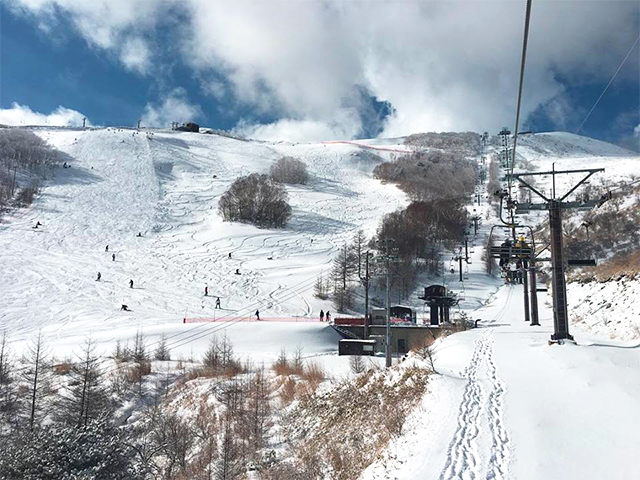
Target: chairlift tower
558 264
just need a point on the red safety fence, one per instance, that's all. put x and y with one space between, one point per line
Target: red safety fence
369 147
251 319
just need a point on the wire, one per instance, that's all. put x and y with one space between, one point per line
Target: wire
527 21
608 84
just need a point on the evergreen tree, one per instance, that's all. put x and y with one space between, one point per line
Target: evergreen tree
162 352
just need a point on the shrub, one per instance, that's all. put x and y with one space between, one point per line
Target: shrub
289 170
255 199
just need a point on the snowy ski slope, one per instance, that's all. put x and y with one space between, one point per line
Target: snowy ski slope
166 185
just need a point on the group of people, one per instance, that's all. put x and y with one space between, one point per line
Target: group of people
325 317
514 270
113 259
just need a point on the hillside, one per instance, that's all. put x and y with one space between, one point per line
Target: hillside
165 185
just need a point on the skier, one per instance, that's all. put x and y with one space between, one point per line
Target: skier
327 316
106 249
139 234
218 303
237 271
130 283
99 277
257 315
206 291
113 257
38 224
229 254
125 308
321 315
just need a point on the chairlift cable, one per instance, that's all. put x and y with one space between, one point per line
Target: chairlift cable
527 21
608 85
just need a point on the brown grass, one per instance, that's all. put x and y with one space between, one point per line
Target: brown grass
136 372
618 267
62 368
352 423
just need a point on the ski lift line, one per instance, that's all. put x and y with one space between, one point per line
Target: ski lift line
527 21
608 85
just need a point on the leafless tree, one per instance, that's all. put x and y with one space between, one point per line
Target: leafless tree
289 170
255 199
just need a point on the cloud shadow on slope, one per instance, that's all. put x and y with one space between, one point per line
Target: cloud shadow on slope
308 222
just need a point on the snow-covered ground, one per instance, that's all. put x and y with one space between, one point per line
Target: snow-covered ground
610 309
508 405
166 185
505 405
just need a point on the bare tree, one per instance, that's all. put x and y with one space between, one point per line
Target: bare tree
289 170
36 377
9 399
255 199
343 272
86 398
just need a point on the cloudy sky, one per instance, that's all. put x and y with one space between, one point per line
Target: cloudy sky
311 70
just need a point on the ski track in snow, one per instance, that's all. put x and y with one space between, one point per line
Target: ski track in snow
463 456
498 462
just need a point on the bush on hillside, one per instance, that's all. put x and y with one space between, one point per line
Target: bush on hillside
289 170
23 161
256 199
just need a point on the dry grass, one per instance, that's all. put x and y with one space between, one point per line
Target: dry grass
136 372
62 368
351 424
619 266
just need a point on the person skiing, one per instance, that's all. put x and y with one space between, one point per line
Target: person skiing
257 315
229 254
327 316
237 271
38 224
139 234
106 249
206 291
218 303
321 315
130 283
125 308
99 277
113 257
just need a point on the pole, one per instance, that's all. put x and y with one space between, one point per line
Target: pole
366 295
388 339
534 295
466 249
525 285
560 311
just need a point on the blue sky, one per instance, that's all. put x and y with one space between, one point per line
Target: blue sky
316 73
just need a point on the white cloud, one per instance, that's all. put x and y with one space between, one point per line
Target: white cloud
23 115
112 25
636 131
175 107
297 130
135 55
443 65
